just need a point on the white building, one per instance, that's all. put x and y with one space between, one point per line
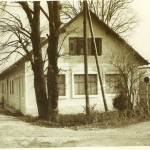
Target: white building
16 82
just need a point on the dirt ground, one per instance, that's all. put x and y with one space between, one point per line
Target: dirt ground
15 133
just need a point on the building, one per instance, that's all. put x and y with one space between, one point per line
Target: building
16 82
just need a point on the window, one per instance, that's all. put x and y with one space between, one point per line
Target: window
80 87
12 87
22 86
61 85
91 46
76 46
92 84
113 83
143 87
2 88
17 86
79 84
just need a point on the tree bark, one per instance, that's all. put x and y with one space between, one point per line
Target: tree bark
52 51
39 82
40 91
37 63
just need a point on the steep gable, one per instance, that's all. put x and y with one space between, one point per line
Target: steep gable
108 31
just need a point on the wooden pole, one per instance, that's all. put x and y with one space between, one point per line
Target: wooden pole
96 59
85 57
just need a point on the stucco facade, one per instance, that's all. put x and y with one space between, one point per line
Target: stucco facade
72 68
13 87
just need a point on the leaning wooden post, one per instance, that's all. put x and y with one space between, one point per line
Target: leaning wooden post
96 58
85 57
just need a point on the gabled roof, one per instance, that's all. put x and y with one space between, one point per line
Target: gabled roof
109 30
24 58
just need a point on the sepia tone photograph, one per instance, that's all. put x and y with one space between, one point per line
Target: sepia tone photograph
75 74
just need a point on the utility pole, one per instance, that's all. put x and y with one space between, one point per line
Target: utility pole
96 58
85 57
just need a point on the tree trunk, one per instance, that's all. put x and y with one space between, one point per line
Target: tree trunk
52 51
52 77
36 60
40 92
129 104
37 65
52 94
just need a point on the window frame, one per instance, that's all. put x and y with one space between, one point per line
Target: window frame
64 85
75 46
114 73
10 92
83 96
59 96
13 88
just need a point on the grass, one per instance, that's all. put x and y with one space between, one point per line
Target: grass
111 119
97 119
103 120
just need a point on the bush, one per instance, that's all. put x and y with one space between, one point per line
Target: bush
96 119
120 102
72 119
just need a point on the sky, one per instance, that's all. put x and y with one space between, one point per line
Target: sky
140 38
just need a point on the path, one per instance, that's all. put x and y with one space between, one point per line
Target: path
15 133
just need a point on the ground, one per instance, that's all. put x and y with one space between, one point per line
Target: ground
15 133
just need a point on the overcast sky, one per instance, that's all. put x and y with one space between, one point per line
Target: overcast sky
140 38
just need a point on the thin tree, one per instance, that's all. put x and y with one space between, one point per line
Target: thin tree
37 61
26 40
127 65
52 51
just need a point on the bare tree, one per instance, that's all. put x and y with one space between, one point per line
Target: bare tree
52 51
126 63
22 39
117 14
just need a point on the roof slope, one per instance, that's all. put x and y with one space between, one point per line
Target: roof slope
109 30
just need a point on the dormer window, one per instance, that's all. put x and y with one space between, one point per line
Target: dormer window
76 46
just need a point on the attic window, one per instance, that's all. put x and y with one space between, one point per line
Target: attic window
76 46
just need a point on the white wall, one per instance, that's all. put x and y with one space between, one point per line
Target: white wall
71 65
30 105
15 98
75 65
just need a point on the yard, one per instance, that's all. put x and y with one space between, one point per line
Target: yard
15 133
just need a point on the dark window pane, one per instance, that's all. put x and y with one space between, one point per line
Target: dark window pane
61 85
76 46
